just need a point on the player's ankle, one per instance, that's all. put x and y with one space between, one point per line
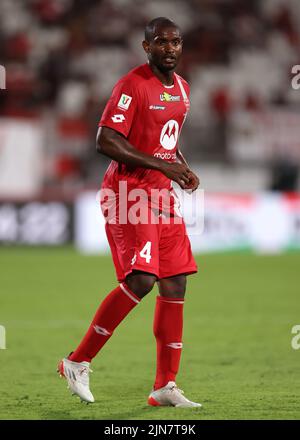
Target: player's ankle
79 359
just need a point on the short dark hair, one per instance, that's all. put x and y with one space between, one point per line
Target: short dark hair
158 22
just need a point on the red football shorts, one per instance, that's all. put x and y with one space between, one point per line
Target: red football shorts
160 249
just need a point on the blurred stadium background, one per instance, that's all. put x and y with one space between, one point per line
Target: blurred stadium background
242 136
62 58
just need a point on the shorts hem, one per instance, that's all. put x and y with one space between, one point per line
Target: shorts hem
141 268
187 271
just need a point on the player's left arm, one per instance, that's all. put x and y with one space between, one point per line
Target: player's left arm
194 179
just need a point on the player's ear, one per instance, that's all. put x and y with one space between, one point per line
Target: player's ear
146 46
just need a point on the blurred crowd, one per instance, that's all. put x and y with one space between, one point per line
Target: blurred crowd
62 58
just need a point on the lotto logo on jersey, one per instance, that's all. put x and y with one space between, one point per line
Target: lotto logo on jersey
124 101
118 118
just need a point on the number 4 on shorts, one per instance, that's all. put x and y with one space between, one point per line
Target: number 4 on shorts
146 252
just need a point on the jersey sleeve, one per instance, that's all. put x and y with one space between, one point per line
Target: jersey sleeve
121 108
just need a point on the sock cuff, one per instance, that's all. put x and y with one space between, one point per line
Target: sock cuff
125 289
169 300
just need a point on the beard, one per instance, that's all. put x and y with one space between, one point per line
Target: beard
164 68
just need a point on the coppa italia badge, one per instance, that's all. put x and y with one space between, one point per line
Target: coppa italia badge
124 101
169 98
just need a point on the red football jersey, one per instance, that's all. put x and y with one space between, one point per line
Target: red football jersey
150 115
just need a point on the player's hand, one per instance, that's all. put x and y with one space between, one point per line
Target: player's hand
194 182
178 172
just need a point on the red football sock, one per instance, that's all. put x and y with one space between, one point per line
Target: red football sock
110 313
167 328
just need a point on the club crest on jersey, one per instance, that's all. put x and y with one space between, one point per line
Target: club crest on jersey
124 101
169 98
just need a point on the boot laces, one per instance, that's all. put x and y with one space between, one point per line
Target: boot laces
83 375
175 388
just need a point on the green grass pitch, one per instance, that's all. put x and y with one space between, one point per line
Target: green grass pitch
237 358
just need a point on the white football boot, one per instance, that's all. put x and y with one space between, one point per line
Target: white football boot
77 375
171 395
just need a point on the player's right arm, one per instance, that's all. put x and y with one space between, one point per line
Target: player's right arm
115 146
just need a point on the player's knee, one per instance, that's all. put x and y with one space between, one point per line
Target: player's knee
140 284
180 286
173 287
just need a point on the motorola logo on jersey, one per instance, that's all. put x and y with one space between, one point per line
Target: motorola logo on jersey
169 134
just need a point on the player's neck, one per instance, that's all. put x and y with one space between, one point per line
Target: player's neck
166 78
